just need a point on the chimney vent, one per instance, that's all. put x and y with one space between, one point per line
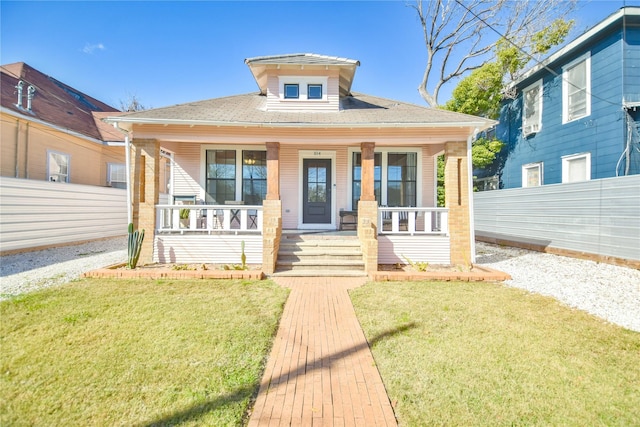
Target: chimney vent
19 87
30 92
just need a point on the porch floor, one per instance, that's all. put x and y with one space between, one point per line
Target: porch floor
321 371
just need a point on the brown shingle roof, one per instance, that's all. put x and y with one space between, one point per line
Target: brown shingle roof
356 110
56 103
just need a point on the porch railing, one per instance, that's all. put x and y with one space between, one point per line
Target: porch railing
209 218
410 220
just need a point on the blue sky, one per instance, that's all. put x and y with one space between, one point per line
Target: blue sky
167 52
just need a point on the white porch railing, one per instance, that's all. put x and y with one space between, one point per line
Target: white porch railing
409 220
209 218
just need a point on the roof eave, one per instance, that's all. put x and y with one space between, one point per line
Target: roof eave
479 125
578 42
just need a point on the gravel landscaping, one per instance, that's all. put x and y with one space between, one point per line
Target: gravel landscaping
607 291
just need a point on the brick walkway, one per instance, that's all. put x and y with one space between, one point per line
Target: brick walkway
320 371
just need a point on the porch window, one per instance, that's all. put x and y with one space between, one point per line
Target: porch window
221 175
401 179
254 177
357 178
57 167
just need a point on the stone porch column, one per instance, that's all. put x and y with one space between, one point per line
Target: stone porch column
145 185
368 209
272 211
457 193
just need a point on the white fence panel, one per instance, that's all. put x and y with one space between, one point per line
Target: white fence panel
600 217
35 214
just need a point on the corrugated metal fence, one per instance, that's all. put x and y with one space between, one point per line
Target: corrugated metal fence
40 213
600 217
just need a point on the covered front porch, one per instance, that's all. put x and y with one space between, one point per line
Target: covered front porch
198 229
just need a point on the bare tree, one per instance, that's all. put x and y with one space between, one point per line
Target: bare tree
460 35
132 104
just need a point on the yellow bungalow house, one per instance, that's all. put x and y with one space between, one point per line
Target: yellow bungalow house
302 156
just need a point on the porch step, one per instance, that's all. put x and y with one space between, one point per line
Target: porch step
319 255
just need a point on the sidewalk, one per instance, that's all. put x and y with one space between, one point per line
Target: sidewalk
321 371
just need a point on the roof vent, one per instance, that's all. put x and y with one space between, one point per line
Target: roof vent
19 87
30 92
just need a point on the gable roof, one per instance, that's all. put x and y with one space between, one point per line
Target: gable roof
260 64
358 110
55 103
623 16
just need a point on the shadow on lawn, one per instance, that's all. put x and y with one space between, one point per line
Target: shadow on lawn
195 412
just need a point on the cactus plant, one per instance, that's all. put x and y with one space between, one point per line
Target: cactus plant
243 257
134 246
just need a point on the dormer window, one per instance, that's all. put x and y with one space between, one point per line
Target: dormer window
314 91
303 88
292 91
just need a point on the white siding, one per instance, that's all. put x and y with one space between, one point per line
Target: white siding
274 103
186 169
432 249
205 248
40 213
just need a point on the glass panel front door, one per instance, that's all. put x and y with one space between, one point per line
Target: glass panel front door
316 206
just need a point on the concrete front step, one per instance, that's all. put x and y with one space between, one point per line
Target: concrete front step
319 273
320 255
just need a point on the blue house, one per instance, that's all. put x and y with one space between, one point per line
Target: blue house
576 116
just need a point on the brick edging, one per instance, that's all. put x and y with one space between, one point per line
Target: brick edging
478 274
115 272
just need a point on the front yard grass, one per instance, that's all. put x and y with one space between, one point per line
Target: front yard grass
482 354
136 352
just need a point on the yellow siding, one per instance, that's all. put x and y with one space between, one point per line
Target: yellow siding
87 159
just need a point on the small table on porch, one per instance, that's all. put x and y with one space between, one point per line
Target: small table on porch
349 218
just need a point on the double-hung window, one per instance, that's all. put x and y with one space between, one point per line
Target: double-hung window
236 175
394 178
576 167
116 175
532 175
576 89
57 167
532 108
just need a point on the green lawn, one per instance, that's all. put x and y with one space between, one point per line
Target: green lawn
482 354
136 353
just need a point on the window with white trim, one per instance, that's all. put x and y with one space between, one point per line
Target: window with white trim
576 167
395 178
236 174
57 166
116 175
303 88
291 91
532 108
576 89
532 175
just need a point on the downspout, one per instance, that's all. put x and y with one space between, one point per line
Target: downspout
127 156
17 148
472 226
26 152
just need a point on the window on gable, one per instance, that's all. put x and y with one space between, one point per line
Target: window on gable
314 91
291 91
576 167
57 167
532 175
532 108
576 89
116 175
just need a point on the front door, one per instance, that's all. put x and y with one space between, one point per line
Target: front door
316 206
